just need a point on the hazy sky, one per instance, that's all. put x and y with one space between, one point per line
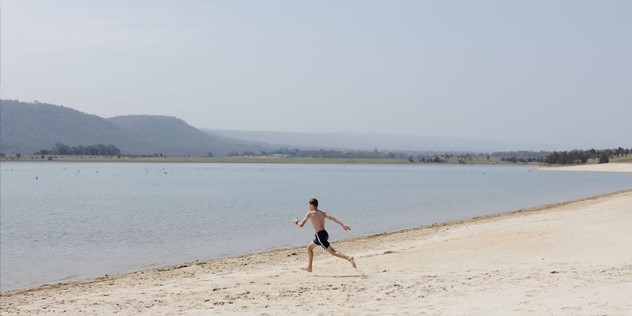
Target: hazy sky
555 72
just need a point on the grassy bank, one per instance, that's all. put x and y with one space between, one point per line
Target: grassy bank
30 158
58 158
451 160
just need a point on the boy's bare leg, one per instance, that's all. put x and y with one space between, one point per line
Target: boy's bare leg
310 256
338 254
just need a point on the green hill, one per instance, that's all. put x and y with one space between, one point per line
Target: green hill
30 127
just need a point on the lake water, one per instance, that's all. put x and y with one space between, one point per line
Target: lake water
70 221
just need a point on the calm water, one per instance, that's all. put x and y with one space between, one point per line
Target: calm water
69 221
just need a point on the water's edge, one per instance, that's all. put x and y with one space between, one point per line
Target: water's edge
472 220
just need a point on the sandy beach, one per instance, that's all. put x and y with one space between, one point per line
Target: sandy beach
607 167
571 258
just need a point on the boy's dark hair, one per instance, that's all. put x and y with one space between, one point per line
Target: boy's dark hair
313 202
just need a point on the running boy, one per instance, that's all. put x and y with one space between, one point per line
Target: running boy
317 217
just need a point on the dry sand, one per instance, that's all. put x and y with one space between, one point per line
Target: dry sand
607 167
573 258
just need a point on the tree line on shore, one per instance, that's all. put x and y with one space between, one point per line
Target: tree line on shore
427 157
556 157
523 157
575 157
80 150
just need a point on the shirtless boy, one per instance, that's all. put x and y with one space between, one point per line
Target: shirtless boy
317 217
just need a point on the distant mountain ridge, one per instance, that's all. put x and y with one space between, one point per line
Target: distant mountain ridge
370 141
30 127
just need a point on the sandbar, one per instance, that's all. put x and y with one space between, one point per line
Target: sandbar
606 167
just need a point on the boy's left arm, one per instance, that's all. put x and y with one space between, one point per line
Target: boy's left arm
344 226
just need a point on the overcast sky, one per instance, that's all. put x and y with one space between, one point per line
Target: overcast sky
550 72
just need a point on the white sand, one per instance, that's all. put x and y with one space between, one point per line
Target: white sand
573 259
606 167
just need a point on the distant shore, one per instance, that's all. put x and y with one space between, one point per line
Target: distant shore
254 159
473 160
271 160
559 259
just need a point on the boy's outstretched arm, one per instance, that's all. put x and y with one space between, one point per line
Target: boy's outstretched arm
302 222
345 227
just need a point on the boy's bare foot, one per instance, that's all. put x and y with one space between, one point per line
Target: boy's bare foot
308 269
352 262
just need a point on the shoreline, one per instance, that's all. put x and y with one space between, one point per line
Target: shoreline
471 220
623 166
276 264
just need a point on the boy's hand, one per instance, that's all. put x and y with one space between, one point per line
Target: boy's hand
294 220
346 227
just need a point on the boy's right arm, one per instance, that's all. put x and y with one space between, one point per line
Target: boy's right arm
302 223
